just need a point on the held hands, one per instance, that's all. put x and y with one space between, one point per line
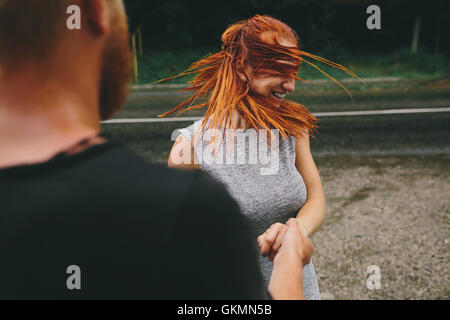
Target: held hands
288 262
289 236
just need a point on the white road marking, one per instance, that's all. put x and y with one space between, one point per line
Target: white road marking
317 114
378 112
147 120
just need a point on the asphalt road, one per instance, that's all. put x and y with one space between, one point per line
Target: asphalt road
389 134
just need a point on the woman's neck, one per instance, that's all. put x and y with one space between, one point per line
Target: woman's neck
237 120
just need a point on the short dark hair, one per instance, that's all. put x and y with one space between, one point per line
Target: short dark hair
29 29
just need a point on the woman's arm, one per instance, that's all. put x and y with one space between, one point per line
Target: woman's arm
182 155
312 214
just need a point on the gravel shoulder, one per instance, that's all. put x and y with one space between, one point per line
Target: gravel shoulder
392 212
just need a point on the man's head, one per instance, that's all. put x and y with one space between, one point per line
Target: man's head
34 35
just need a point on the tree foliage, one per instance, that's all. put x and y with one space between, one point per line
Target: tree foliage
322 25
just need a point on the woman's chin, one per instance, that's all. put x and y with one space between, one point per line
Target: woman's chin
277 101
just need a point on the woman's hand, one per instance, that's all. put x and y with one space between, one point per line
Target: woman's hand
270 241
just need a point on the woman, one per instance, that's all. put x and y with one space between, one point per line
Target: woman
245 86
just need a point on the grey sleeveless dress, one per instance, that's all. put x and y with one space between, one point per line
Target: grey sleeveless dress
268 191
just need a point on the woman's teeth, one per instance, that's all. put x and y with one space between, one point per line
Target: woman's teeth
279 95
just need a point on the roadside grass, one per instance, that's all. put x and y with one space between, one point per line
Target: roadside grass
401 63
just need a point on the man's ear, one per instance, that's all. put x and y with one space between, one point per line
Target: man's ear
97 16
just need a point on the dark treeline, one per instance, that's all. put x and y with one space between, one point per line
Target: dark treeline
335 25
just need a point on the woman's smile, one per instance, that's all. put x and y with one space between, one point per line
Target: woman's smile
278 95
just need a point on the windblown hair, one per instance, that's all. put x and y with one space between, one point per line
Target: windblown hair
222 78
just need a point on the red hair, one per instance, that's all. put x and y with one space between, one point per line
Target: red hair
222 77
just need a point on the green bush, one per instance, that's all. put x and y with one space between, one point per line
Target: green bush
400 63
160 65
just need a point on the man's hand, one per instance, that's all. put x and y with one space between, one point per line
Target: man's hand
295 243
295 252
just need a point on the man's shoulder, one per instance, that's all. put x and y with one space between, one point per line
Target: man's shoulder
127 170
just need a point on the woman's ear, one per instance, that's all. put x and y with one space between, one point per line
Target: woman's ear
244 73
242 77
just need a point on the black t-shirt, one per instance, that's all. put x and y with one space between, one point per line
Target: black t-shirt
129 229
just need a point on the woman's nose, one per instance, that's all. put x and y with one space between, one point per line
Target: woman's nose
289 85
